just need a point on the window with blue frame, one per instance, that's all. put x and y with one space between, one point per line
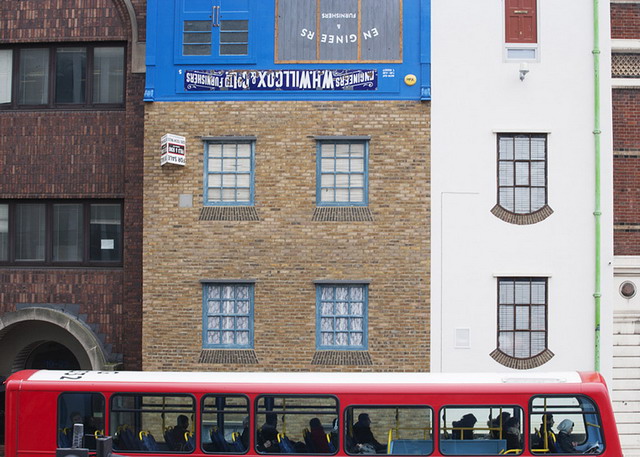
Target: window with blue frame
227 315
341 321
229 176
213 29
342 173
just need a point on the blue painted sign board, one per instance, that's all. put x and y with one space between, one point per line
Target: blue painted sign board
288 50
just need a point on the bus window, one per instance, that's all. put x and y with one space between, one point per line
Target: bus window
225 424
157 423
80 408
487 430
552 415
389 430
296 424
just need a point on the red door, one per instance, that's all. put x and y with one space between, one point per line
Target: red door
521 21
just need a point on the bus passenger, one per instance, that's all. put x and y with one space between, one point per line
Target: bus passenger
244 437
176 436
268 434
463 429
318 437
565 445
362 434
512 433
498 426
545 432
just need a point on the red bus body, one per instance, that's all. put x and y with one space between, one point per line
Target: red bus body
32 399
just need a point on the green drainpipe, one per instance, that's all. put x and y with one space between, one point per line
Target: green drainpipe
597 212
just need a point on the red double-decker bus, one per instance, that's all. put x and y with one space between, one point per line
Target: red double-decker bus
203 414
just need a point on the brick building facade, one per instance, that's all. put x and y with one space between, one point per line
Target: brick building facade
625 33
294 233
71 117
289 247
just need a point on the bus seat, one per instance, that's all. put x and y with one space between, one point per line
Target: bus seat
286 446
473 447
306 434
170 440
127 440
219 443
64 437
148 442
411 447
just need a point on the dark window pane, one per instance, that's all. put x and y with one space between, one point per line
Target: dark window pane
4 232
108 75
80 408
71 64
33 77
105 233
234 49
67 232
30 232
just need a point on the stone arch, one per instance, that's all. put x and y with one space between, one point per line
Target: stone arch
138 48
24 330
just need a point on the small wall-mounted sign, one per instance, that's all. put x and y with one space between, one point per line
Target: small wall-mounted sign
410 80
174 149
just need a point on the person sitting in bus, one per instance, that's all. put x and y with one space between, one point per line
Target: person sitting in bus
512 433
463 429
268 434
565 444
176 437
363 436
318 437
244 437
498 425
544 437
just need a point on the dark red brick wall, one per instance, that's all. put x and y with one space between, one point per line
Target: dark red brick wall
79 154
626 165
625 21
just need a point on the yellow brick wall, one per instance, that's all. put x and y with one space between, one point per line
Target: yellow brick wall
286 251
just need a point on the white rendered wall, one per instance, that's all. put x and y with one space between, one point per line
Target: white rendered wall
476 94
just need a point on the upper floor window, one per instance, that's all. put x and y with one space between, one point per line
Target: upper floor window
229 168
227 315
341 316
62 76
522 178
60 232
522 322
521 29
214 28
342 173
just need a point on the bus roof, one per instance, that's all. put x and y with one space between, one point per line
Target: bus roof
339 378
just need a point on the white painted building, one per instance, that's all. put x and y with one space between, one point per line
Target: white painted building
513 187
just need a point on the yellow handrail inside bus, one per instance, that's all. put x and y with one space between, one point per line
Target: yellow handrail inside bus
593 425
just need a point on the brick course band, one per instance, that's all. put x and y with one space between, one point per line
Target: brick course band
522 219
341 358
219 356
342 214
228 213
522 364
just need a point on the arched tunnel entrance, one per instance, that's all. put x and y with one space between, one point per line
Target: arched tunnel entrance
44 338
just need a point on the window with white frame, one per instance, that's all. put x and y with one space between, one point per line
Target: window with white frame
342 173
341 316
227 315
229 168
522 317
